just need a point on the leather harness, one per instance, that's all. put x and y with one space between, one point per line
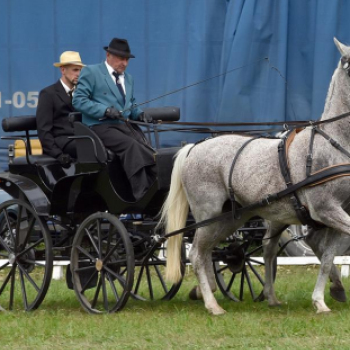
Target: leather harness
317 178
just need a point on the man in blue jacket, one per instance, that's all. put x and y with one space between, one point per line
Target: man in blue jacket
103 92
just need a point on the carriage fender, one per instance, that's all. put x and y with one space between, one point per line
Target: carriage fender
21 187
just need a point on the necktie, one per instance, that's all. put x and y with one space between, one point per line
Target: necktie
70 94
119 85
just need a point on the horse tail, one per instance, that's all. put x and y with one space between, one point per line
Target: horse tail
174 215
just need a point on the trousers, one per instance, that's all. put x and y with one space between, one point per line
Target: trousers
136 155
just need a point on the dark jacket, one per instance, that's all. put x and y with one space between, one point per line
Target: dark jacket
53 126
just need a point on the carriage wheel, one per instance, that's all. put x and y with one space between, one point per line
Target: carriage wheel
25 257
237 271
150 283
102 264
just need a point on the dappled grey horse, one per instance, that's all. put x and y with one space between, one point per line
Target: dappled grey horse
201 180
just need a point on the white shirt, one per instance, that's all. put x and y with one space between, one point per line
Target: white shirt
66 87
121 76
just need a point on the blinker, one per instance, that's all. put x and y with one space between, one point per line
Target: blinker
345 62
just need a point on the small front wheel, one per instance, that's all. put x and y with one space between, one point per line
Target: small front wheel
102 264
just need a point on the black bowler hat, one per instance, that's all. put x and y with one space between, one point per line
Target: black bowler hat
119 47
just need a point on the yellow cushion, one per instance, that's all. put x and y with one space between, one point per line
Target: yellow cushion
20 149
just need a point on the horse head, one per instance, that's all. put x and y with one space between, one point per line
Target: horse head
345 55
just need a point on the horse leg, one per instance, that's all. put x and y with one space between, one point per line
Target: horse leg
205 240
315 239
331 241
195 293
271 247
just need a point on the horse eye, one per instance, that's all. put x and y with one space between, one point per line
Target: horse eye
345 62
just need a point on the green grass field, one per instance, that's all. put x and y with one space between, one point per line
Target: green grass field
60 322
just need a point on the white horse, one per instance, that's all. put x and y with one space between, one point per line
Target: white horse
200 181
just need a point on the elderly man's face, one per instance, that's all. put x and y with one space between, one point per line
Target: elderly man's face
118 63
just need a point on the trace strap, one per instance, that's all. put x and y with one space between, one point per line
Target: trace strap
327 173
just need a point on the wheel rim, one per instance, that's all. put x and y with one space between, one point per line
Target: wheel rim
26 257
242 279
102 264
150 282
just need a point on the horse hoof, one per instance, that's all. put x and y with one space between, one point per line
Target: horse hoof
217 312
338 294
325 311
260 297
275 304
193 294
321 307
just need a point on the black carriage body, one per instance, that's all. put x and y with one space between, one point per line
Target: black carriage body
96 182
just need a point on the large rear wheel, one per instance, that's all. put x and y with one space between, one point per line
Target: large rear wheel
25 256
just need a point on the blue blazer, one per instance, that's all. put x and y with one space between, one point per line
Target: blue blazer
96 91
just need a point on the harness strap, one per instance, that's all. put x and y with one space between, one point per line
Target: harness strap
340 170
309 156
334 143
230 187
302 213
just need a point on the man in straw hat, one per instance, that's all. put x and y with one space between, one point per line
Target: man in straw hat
105 96
54 105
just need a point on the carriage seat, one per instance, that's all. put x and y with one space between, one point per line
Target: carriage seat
31 152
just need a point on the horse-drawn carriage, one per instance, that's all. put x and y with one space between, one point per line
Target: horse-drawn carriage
85 213
74 213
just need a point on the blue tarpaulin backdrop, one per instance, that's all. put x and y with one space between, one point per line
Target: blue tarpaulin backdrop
177 43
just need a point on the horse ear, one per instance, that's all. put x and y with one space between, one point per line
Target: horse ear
341 47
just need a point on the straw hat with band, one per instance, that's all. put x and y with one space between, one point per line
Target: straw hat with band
69 57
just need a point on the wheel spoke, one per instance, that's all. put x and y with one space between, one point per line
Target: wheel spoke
29 277
4 244
92 240
108 255
12 287
3 266
256 261
86 285
6 280
23 289
104 291
139 279
99 239
82 250
255 272
225 267
30 247
117 276
249 282
114 289
241 289
161 279
85 268
149 282
97 292
232 279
